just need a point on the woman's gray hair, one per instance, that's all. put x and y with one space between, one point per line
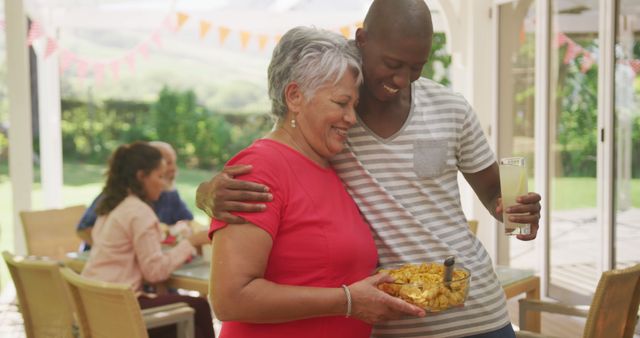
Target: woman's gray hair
312 58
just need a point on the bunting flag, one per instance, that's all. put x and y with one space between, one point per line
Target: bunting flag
635 65
35 32
52 46
81 69
345 31
143 49
182 19
359 24
223 33
587 62
157 39
262 41
130 59
65 60
244 39
205 26
573 50
115 69
98 73
561 39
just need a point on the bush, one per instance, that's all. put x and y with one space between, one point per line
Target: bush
91 131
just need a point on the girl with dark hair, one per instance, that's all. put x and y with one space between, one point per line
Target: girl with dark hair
127 234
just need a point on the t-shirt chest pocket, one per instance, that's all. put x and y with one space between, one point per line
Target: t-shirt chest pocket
429 157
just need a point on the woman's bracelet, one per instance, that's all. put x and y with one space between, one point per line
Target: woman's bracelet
348 294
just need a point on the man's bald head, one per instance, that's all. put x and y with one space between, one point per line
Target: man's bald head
398 18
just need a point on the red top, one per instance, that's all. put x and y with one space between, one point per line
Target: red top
319 237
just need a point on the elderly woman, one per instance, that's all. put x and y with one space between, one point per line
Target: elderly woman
303 267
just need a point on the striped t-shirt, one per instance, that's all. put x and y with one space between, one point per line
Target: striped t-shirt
406 187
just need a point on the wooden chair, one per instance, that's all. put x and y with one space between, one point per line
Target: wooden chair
613 311
52 232
473 226
44 300
112 310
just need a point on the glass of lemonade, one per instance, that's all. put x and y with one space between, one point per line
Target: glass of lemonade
513 183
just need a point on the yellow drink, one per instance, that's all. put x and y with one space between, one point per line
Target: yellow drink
513 183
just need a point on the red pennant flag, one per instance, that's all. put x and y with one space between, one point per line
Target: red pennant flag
143 49
2 24
587 62
561 39
573 49
170 24
635 65
157 39
52 46
115 70
130 59
81 69
65 60
98 73
35 32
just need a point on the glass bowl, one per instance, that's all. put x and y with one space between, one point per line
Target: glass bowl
423 285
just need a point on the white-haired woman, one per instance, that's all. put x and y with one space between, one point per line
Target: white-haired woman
302 268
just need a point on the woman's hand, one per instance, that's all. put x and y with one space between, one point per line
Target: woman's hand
372 305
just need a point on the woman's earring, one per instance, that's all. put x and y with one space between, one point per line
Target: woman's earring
293 123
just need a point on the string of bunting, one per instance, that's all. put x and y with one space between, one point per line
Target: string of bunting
175 22
574 50
48 45
246 37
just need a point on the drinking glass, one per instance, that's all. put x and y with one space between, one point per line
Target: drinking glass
513 183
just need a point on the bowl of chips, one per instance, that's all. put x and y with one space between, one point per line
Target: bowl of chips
424 285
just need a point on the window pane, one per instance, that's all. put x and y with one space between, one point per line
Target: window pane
574 233
627 135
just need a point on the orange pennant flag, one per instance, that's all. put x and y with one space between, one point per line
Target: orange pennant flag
223 32
345 31
182 18
262 41
204 28
359 24
277 38
244 38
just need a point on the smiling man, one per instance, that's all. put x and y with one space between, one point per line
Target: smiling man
400 165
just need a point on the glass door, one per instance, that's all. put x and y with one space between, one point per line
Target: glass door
517 37
574 233
627 135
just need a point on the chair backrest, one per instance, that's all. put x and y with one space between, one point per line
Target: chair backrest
52 233
44 300
105 309
473 226
614 309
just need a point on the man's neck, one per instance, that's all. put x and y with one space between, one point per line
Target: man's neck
385 118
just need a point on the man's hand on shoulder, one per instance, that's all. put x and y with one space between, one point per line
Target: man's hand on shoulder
224 194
